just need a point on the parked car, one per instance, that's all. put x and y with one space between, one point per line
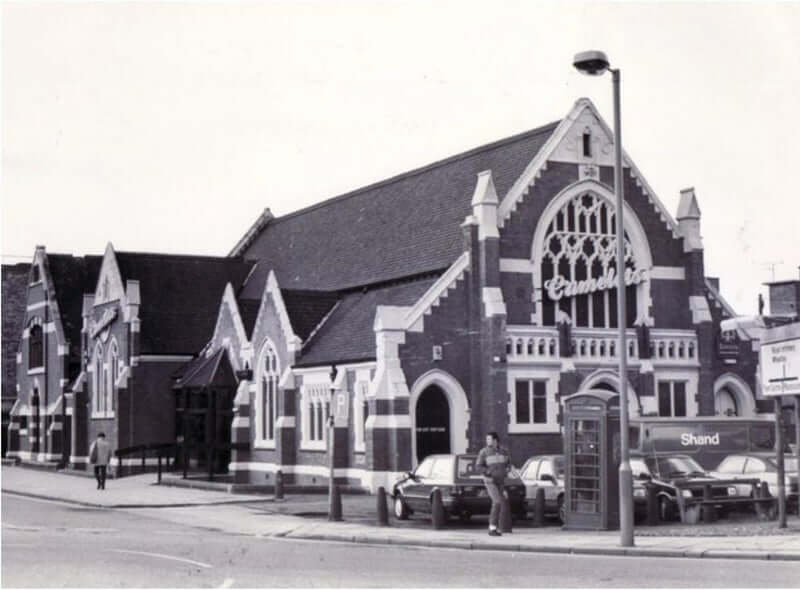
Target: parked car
461 484
669 473
545 472
765 468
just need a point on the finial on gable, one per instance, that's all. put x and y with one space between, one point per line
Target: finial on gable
689 220
484 206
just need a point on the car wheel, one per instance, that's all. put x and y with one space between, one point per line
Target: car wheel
666 511
400 508
562 510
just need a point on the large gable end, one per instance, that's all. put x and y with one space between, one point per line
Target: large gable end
582 138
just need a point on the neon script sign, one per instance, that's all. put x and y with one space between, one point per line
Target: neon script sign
559 287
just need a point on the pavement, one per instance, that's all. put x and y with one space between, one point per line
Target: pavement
304 516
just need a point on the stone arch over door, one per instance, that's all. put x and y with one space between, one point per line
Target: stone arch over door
737 388
458 409
609 381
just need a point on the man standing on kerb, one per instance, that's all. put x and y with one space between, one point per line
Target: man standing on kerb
494 464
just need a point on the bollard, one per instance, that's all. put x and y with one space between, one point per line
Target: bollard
709 511
652 504
335 503
279 485
765 510
159 467
383 511
438 516
538 508
505 514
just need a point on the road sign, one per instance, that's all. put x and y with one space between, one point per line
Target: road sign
340 408
780 367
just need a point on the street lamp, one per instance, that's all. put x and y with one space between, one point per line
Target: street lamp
595 63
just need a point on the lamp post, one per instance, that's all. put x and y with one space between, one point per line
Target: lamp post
595 63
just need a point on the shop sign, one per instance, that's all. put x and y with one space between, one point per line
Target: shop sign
728 346
780 367
559 287
109 315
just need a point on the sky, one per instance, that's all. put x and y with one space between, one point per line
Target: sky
169 127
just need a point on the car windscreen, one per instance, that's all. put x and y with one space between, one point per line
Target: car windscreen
678 467
465 467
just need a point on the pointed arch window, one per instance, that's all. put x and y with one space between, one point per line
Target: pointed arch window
268 376
99 383
112 372
578 265
35 346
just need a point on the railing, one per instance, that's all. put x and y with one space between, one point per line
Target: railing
163 452
531 343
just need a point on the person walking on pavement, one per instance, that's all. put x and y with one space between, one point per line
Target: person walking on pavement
494 464
100 456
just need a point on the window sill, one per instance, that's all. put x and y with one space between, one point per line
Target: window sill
36 371
533 428
314 446
102 416
264 445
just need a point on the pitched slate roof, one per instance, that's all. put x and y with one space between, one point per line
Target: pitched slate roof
401 227
307 309
180 297
207 371
13 295
73 277
248 310
347 334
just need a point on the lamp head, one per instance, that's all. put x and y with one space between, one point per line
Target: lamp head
592 63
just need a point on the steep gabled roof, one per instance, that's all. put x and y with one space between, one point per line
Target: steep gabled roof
248 310
73 277
179 296
347 333
403 226
306 309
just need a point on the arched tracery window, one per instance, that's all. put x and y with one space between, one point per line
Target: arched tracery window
267 394
578 265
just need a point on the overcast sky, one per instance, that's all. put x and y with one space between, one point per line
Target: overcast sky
169 127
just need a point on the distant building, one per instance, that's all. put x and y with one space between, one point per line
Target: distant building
466 296
49 355
14 288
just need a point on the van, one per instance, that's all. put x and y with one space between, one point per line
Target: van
707 439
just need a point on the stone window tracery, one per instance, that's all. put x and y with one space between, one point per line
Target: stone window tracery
578 265
268 375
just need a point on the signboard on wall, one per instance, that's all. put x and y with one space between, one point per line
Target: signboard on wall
780 362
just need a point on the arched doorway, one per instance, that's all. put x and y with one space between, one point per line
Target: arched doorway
432 422
725 403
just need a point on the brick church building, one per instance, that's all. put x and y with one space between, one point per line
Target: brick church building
467 296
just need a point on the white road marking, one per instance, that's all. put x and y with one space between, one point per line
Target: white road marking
227 583
162 556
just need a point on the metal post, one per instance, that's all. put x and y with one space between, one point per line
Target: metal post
781 471
625 475
797 445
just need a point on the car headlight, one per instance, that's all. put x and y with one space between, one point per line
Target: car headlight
732 491
686 493
639 492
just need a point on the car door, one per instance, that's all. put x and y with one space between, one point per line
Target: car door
441 476
551 488
529 479
414 489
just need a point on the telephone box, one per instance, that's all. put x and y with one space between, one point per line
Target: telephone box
592 455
